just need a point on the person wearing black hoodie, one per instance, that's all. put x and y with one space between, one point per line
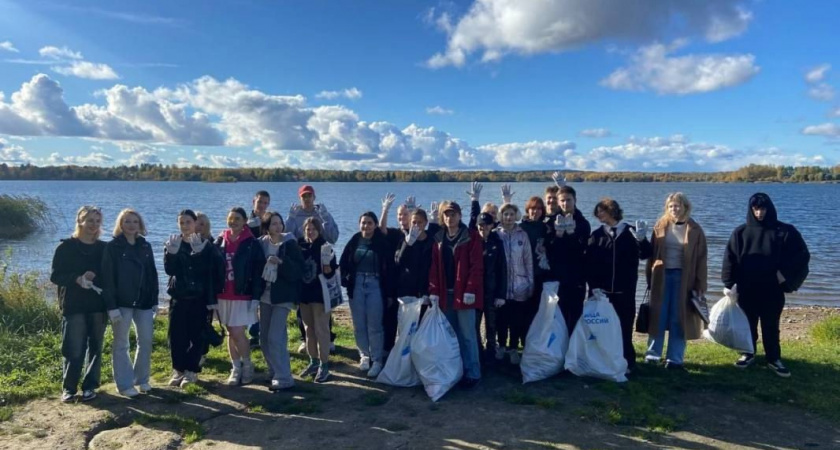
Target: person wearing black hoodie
495 285
765 258
130 288
566 255
75 268
262 200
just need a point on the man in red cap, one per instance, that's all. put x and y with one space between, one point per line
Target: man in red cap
306 209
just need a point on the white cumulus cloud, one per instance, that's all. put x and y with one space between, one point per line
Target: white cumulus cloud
439 111
8 46
495 28
822 91
825 129
89 70
817 74
350 94
56 53
13 155
595 133
651 68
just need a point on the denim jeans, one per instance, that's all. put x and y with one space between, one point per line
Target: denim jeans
463 321
669 319
274 340
126 374
81 346
367 309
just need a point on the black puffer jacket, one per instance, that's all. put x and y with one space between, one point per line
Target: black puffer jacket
129 276
192 276
566 254
312 267
412 265
248 264
758 249
612 263
495 270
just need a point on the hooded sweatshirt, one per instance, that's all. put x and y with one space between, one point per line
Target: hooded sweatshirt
758 249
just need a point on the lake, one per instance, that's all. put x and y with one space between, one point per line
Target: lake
719 208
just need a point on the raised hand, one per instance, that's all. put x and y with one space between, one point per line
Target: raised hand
173 244
410 203
559 178
387 201
196 243
507 193
641 231
475 191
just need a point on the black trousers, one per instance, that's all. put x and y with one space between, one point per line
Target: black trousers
186 323
489 314
765 307
513 320
625 307
571 303
390 317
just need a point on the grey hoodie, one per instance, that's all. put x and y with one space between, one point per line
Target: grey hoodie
294 223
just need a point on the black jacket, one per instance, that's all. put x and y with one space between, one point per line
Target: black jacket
495 270
757 250
71 260
248 263
289 284
538 233
612 264
412 265
129 276
192 276
566 254
385 256
312 267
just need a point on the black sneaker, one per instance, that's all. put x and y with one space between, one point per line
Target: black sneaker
469 383
674 366
255 343
779 368
745 361
88 395
67 396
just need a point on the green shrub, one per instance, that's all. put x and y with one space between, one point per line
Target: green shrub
21 215
827 331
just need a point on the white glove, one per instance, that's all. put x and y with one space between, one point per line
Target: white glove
294 208
425 300
433 299
387 201
779 277
433 212
640 233
499 302
196 243
731 293
469 299
542 258
411 237
321 209
560 225
270 273
173 244
559 178
570 224
410 203
254 307
475 191
327 254
115 316
213 307
507 194
253 222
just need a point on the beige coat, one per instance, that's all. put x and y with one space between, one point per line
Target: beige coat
694 277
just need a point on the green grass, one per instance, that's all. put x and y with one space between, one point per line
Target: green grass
375 398
519 396
827 331
190 429
21 215
6 413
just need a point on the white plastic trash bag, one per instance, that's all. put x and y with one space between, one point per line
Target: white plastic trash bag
548 339
728 325
596 348
399 370
435 353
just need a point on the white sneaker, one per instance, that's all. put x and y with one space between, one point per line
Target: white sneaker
235 376
302 347
130 393
375 369
652 359
364 363
277 385
247 372
177 378
189 378
514 357
144 388
500 353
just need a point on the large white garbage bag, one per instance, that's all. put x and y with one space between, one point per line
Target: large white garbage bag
728 325
399 370
595 348
435 353
548 339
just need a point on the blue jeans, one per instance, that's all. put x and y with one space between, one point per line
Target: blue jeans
669 319
274 340
81 346
367 310
126 374
463 321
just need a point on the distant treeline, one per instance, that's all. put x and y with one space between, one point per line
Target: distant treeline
152 172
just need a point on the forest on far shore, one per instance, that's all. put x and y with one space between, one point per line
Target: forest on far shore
153 172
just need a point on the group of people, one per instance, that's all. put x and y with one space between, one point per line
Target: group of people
489 270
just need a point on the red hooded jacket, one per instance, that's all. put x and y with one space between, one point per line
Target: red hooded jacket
469 269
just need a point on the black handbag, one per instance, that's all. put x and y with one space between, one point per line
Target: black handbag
643 319
210 334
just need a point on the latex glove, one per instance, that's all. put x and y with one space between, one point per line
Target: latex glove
327 253
570 224
410 203
196 243
387 201
640 233
253 222
499 302
87 284
89 275
115 316
173 244
273 260
475 191
213 307
469 299
559 178
321 209
434 299
779 277
542 258
560 225
294 208
433 213
270 273
731 293
411 237
425 300
507 193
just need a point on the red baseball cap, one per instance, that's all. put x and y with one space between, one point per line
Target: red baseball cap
306 189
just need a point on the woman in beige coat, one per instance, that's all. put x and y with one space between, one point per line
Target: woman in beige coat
677 267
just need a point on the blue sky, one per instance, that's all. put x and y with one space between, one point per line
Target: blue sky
665 85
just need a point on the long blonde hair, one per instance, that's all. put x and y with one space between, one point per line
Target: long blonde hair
201 215
665 219
81 216
118 226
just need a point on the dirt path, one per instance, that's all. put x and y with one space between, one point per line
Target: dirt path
352 412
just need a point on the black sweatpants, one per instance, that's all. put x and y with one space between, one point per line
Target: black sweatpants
571 303
390 317
625 307
489 313
512 319
765 307
186 323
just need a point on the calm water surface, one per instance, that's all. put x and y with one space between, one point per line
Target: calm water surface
719 208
